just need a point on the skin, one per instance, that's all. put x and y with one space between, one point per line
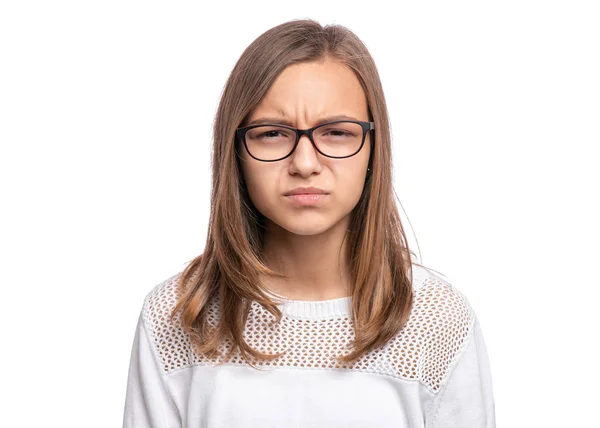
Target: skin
306 243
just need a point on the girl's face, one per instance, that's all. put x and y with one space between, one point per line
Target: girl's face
303 95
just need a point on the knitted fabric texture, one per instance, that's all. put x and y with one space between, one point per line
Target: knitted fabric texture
440 323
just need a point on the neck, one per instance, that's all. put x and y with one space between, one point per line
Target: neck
315 265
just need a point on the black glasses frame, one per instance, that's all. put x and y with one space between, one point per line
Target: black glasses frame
366 127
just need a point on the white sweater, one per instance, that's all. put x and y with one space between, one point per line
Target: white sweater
434 373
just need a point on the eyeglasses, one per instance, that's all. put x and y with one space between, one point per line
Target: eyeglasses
272 142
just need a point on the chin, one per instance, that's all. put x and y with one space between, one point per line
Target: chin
306 231
301 225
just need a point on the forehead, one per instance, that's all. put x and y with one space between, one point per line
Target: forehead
307 91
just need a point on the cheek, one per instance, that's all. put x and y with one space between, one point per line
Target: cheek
350 189
261 187
350 179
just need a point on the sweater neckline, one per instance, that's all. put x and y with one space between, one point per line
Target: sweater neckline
316 309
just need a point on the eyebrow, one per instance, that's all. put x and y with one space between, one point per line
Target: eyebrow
281 121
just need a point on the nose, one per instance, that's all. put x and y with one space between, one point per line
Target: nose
305 157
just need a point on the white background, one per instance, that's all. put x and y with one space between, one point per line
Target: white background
106 111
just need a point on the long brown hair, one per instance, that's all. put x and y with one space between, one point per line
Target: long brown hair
229 268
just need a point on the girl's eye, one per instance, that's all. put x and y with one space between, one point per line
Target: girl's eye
338 133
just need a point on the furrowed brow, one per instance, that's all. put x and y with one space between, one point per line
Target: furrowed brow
282 121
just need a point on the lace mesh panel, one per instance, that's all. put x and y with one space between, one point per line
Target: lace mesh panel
440 323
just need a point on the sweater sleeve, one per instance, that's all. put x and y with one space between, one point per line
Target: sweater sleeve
148 403
466 399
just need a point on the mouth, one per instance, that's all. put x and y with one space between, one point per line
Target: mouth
306 191
307 199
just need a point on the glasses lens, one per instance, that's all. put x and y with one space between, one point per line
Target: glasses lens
340 139
270 142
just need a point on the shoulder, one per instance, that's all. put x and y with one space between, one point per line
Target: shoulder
166 334
445 320
439 301
161 299
440 325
